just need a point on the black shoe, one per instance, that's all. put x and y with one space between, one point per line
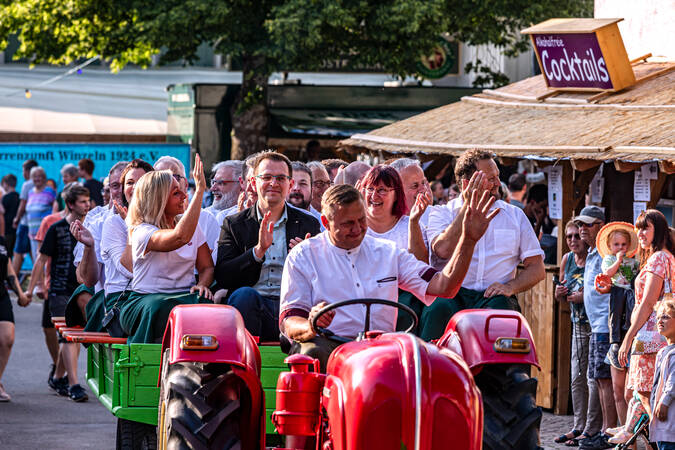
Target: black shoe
60 385
78 394
596 442
50 378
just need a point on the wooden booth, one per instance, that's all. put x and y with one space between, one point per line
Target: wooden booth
584 138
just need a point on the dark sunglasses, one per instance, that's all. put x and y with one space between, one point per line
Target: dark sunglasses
575 236
589 225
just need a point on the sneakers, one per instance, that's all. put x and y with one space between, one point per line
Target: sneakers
596 442
51 375
613 357
60 385
77 393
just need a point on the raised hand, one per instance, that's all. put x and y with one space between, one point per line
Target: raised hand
422 202
121 210
478 215
198 175
297 240
81 234
478 182
265 235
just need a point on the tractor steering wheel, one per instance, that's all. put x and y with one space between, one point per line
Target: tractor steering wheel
325 332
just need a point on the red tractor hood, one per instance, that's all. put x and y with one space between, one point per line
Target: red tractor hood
396 391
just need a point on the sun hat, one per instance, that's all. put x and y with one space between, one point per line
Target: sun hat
590 214
601 240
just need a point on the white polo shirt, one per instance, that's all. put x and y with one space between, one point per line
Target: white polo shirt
164 272
94 223
508 240
316 271
113 243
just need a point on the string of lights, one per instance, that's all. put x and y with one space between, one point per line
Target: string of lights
28 93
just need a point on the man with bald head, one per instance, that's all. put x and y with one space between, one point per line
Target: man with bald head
352 174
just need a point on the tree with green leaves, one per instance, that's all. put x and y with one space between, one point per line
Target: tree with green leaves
267 36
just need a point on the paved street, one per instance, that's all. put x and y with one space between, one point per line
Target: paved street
36 418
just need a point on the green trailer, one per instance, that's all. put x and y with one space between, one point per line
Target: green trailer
125 377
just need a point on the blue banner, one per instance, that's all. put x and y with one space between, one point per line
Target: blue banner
53 156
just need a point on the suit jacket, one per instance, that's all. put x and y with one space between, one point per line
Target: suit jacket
236 265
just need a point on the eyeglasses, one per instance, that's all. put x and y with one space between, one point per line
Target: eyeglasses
178 177
575 236
215 182
321 184
380 191
588 225
115 186
266 178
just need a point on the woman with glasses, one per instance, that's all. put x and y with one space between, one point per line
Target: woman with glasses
571 289
165 252
384 197
385 202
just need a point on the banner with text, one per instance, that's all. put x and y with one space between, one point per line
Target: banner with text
54 156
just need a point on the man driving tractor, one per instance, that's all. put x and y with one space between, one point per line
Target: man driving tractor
344 263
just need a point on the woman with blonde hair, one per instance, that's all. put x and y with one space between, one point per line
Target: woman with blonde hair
165 252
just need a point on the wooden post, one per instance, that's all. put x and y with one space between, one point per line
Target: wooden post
567 206
657 188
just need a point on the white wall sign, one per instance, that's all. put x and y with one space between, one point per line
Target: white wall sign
650 171
638 207
555 192
641 188
597 187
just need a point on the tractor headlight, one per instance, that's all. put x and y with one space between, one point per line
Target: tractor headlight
198 342
512 345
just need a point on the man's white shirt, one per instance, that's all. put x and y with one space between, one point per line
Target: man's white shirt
316 271
508 240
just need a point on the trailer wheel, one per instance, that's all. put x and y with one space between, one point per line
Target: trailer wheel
511 416
200 407
135 435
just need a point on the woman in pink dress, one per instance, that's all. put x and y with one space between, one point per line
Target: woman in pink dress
655 278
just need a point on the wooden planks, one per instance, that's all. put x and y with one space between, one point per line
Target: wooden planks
540 309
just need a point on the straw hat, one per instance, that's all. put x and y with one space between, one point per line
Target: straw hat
601 239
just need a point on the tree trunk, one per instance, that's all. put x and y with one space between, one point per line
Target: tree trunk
250 117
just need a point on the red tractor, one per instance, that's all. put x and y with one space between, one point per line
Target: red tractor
381 391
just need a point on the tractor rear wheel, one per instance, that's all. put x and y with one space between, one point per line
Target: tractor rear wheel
135 435
511 416
200 406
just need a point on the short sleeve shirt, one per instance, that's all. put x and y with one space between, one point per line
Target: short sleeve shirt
661 264
316 271
113 243
627 270
163 272
508 240
59 244
38 206
26 187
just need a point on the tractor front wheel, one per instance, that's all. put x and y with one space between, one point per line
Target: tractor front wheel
511 416
199 406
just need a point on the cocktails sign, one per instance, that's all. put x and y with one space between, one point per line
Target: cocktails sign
581 54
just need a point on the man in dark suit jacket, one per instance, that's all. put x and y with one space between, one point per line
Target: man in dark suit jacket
254 243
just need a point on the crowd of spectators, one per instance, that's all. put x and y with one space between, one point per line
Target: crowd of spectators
278 239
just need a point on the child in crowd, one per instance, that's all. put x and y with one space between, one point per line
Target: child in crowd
617 243
662 426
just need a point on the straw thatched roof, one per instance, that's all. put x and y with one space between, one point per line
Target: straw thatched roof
635 125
